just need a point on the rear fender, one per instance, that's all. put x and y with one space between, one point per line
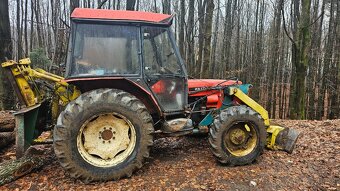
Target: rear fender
88 84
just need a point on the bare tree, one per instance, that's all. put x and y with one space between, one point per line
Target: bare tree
300 59
190 58
73 4
207 40
214 43
182 27
7 98
166 6
201 16
130 5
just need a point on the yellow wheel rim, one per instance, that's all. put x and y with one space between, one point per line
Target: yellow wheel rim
240 139
106 140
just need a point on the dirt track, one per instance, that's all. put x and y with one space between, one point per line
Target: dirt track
186 163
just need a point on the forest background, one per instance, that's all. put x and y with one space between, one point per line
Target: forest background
288 49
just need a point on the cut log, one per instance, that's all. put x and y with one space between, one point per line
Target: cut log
7 122
14 169
6 138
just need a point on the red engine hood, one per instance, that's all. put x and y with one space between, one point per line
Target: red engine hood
201 87
205 83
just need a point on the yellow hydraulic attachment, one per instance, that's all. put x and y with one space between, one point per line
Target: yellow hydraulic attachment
278 138
24 80
39 105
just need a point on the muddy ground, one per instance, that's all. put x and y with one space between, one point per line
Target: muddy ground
186 163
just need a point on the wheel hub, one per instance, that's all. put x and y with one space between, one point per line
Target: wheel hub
237 136
240 139
107 134
106 140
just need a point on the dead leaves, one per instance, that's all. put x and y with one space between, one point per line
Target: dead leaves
186 163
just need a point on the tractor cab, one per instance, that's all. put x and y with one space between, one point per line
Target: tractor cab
128 47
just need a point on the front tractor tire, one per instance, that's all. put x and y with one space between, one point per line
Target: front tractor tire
104 134
237 136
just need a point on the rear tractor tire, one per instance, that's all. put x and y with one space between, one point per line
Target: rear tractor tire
104 134
237 136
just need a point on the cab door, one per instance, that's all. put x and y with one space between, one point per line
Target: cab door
163 69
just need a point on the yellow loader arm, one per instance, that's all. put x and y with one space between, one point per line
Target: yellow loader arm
24 80
30 87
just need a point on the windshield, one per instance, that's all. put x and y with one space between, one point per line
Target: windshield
105 50
159 55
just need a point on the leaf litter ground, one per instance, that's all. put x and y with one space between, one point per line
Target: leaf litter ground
186 163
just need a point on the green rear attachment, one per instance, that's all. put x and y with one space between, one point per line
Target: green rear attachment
26 121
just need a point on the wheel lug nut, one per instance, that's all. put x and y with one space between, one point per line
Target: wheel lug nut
103 141
99 137
110 128
114 132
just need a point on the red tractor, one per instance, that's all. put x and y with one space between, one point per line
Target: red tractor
125 82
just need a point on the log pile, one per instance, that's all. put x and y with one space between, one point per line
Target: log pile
7 125
33 159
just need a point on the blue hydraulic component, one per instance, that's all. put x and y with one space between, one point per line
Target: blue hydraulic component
227 102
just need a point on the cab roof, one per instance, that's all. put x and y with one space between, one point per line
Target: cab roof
133 16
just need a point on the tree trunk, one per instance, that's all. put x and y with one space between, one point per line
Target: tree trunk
25 29
6 93
258 66
73 4
182 27
302 41
337 109
316 43
228 33
275 61
101 4
190 58
130 5
327 65
167 6
207 40
19 48
38 19
31 25
155 6
214 43
333 103
201 15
